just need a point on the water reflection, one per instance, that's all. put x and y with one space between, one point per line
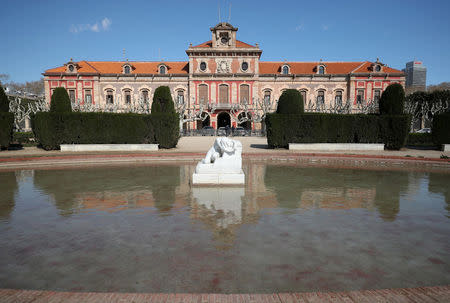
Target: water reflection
8 188
315 187
110 188
438 184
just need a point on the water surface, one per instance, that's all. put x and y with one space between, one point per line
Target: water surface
291 228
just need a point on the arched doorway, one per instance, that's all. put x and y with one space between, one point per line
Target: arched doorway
247 125
205 122
223 119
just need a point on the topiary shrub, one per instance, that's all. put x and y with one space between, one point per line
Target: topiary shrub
290 102
162 101
392 101
60 101
440 129
4 101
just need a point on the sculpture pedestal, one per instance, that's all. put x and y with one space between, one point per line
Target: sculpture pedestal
218 178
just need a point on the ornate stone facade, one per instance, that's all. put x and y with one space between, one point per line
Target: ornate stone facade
221 75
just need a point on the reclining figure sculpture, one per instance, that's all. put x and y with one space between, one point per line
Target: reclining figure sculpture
222 164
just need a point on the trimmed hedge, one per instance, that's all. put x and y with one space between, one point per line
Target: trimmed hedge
392 101
290 102
6 129
60 101
23 138
283 129
440 129
4 101
53 129
417 139
162 101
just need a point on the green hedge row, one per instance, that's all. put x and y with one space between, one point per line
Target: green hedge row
440 129
6 128
337 128
52 129
416 139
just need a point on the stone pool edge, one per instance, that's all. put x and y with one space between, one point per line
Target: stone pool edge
416 294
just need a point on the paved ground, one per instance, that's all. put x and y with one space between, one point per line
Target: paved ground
422 294
251 145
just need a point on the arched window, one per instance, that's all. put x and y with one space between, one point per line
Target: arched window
203 93
126 69
321 70
180 96
338 98
162 70
303 93
267 96
320 97
360 96
144 93
223 93
109 96
285 70
127 96
244 94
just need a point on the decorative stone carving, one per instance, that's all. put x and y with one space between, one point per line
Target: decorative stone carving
222 164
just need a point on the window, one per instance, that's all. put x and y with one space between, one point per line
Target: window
127 94
303 93
267 96
376 95
377 68
203 93
72 95
223 93
202 66
321 97
285 70
162 70
109 96
244 66
244 94
321 70
360 96
180 96
87 96
145 95
338 98
71 68
126 69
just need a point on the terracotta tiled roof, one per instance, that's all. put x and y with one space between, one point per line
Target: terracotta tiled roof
115 67
310 67
239 44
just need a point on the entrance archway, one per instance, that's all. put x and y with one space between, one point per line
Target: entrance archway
206 122
223 120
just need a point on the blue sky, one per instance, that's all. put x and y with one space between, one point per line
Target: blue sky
38 35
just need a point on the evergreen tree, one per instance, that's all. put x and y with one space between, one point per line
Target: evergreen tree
290 102
60 101
4 101
392 101
162 101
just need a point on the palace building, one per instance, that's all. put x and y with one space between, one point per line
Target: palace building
220 74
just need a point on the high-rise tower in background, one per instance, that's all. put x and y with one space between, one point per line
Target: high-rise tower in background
416 76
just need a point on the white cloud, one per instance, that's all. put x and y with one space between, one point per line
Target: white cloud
299 27
96 27
106 23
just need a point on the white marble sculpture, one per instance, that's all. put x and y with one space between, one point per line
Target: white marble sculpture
222 164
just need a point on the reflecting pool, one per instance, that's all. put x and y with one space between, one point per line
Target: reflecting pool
142 228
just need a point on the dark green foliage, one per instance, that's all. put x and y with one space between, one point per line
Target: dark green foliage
60 101
290 102
441 129
166 129
336 128
392 101
415 139
6 128
4 101
23 137
53 129
162 101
